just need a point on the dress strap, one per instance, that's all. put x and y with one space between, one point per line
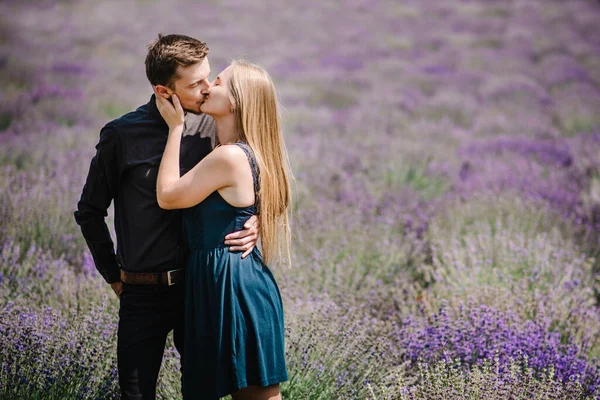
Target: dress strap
253 166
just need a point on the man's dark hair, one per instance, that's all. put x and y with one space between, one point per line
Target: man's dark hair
167 53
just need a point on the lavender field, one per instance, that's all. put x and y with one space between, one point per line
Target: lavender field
447 195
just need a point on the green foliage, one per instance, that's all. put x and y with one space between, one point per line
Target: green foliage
415 176
448 380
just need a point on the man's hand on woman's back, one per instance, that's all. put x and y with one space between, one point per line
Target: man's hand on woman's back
244 240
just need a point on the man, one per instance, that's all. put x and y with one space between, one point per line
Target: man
147 270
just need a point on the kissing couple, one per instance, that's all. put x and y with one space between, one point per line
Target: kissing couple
196 175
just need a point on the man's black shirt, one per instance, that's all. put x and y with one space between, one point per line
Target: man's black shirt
124 169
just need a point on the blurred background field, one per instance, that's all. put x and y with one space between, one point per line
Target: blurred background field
447 203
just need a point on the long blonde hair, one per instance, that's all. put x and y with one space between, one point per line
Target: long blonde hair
259 122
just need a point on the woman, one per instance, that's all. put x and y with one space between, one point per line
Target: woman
234 335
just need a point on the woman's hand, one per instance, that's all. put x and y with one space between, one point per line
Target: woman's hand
171 113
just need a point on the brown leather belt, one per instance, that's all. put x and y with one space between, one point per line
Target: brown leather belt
168 278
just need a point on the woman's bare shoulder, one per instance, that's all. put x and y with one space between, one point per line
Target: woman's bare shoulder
228 154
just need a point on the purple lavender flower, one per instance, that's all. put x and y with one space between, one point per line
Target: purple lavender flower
479 333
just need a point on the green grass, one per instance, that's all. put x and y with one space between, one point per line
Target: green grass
414 176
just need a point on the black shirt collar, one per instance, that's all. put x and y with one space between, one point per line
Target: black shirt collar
153 110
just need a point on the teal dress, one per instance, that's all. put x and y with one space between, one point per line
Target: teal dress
234 332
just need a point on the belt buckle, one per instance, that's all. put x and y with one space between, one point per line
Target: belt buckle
169 281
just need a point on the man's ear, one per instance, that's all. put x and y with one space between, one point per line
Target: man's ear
163 91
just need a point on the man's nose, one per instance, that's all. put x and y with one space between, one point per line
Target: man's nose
206 87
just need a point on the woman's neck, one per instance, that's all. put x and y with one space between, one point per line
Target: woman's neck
227 130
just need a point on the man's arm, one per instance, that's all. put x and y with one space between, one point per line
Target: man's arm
99 190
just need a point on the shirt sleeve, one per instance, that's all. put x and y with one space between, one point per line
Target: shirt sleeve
98 192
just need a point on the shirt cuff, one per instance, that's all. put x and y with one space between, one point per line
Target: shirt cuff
111 276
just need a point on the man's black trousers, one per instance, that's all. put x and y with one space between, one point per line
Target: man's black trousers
147 314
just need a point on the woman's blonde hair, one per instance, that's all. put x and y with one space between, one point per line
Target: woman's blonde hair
257 113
